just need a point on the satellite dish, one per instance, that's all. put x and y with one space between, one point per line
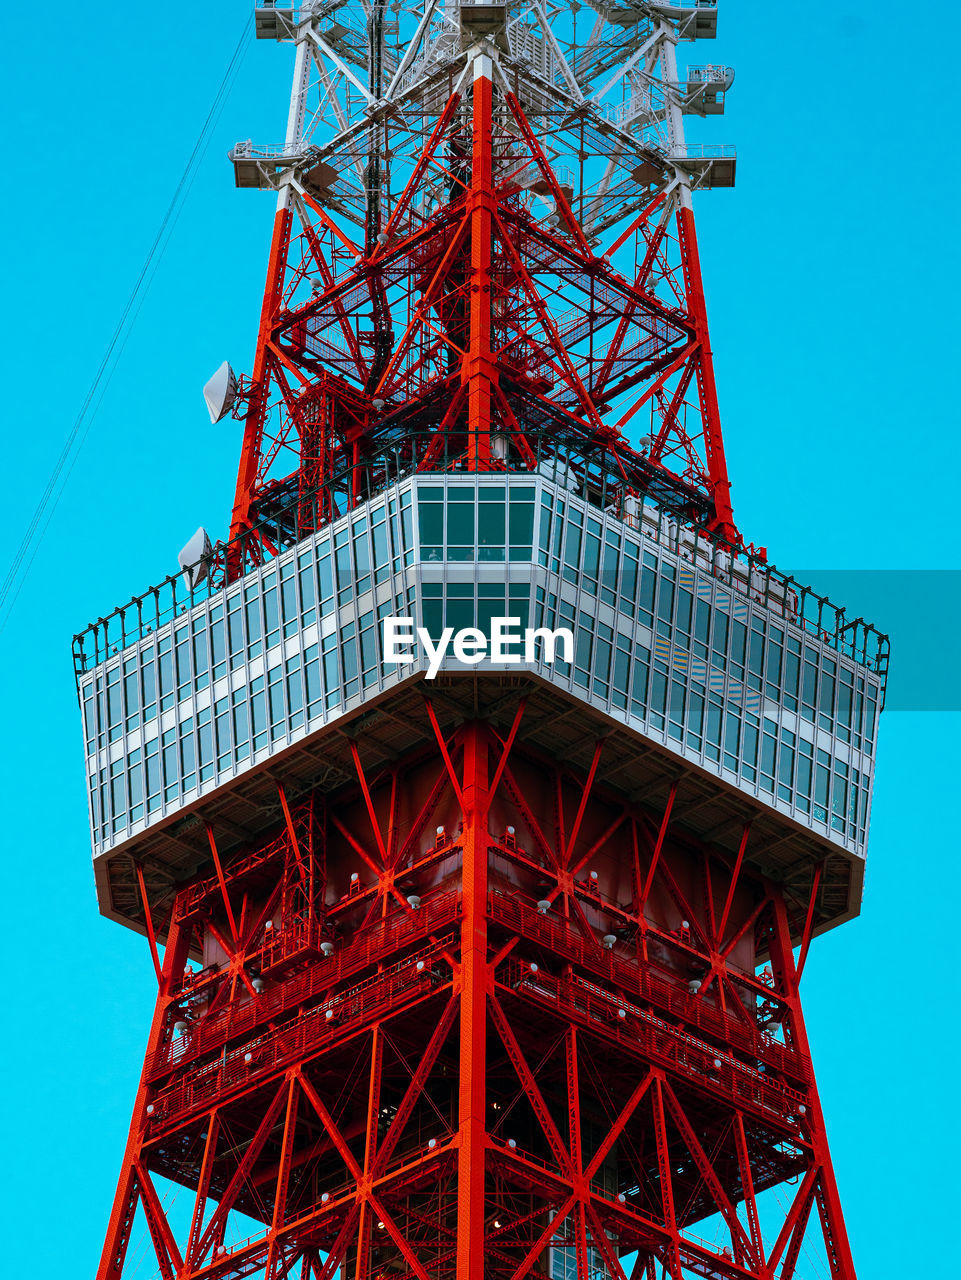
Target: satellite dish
221 392
194 559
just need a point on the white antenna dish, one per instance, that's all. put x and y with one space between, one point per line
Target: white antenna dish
194 559
221 392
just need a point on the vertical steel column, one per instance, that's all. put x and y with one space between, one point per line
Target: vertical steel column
127 1195
474 983
836 1243
276 271
478 368
694 289
713 440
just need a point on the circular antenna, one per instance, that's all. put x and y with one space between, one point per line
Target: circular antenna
220 393
194 559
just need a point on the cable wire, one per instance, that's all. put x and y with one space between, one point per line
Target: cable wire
59 476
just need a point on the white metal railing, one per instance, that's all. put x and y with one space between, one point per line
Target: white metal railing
704 151
711 73
639 104
249 150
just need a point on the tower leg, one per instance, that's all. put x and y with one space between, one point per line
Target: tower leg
828 1200
473 1011
129 1189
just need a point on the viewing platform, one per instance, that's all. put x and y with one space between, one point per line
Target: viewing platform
257 167
695 19
693 664
710 164
275 19
704 89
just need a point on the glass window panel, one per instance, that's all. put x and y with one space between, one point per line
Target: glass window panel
235 628
325 576
629 580
295 694
305 566
463 613
312 675
592 554
460 524
665 596
572 548
646 599
714 723
685 606
430 523
521 527
271 613
362 559
381 552
545 532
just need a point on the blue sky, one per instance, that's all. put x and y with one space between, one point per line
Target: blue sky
830 270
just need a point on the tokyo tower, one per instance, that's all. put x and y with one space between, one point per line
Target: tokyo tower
480 794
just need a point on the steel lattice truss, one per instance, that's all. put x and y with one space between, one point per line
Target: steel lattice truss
483 258
428 1042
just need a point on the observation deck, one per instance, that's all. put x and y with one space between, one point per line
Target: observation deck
704 89
695 19
757 697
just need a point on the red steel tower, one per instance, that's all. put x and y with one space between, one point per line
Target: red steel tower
481 794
